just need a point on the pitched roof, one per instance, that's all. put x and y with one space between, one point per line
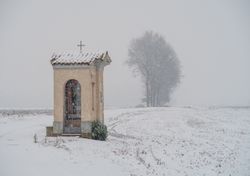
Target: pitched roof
77 58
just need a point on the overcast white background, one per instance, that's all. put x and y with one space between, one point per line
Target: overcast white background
211 38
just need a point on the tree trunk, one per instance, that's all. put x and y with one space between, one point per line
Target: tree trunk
147 93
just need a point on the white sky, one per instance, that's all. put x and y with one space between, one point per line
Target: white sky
211 38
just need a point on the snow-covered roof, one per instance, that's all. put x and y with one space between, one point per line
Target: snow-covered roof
80 58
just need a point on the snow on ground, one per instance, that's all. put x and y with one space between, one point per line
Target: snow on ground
171 141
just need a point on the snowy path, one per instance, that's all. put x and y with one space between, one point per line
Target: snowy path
151 141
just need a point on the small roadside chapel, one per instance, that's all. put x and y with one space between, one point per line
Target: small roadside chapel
78 91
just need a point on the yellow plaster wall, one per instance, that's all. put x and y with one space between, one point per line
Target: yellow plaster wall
85 76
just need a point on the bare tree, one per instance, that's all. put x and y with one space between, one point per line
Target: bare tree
157 63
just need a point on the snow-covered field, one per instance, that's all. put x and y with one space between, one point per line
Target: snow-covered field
171 141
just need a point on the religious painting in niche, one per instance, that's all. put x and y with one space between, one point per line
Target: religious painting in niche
72 100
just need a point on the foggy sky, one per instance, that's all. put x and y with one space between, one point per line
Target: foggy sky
211 39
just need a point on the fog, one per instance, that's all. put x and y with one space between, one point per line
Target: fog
211 39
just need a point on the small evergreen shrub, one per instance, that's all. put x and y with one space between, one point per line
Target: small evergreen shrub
99 131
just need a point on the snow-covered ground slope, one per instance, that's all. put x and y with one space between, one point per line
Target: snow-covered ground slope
151 141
